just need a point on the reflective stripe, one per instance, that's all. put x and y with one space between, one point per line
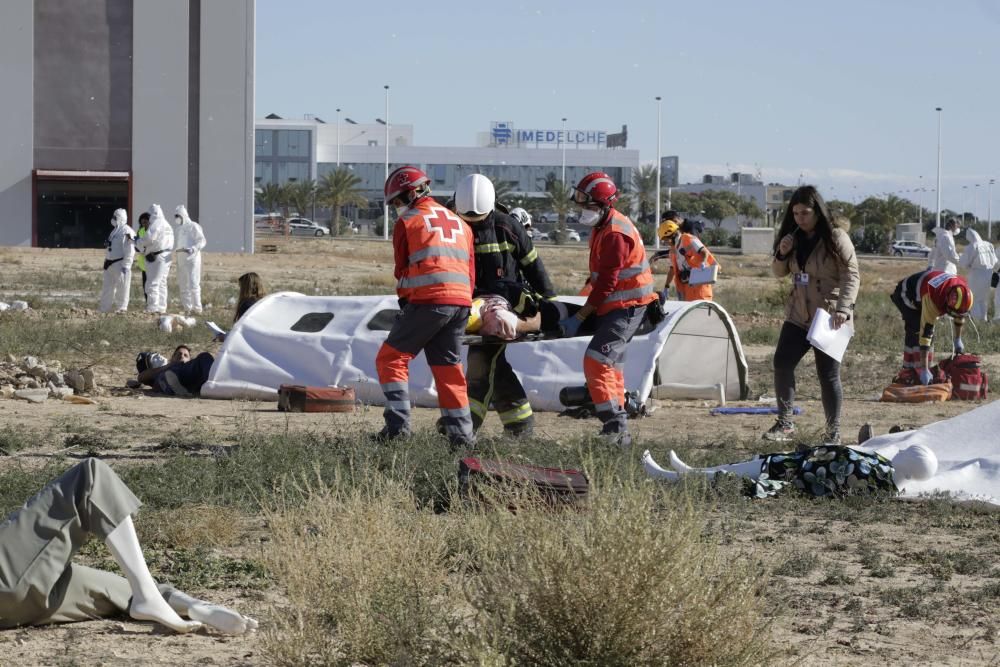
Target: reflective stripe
395 386
518 414
456 413
494 247
438 251
636 293
607 406
633 271
433 279
529 258
477 408
969 387
398 405
599 358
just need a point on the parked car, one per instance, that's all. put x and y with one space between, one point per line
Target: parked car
553 217
910 249
306 227
573 235
540 236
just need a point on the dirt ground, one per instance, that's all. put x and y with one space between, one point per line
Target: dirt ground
136 421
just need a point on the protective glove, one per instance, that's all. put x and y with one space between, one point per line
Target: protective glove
925 376
189 251
569 326
664 296
959 346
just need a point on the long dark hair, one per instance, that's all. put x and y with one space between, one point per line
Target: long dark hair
808 195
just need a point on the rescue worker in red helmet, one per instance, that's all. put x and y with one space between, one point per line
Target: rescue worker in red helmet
620 287
506 265
921 299
435 273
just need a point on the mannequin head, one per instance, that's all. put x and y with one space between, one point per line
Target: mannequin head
916 463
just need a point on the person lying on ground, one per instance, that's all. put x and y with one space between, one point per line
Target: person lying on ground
40 585
836 470
179 376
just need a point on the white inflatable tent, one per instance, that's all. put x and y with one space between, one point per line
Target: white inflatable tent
290 338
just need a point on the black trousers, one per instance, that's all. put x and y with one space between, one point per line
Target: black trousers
492 381
792 346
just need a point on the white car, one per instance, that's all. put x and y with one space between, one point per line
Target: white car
306 227
910 249
572 235
540 236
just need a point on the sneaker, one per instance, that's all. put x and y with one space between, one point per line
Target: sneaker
865 433
780 432
831 437
175 385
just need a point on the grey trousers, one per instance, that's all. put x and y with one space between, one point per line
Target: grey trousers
38 584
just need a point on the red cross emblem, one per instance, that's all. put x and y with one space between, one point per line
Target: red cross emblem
448 225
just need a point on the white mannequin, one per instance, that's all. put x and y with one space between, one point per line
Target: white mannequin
912 464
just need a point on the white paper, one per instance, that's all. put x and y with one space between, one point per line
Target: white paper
215 328
822 335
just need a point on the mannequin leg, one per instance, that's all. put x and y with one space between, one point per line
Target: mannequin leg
750 469
653 469
147 603
220 618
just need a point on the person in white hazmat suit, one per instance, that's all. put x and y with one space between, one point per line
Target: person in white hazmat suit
189 239
118 264
156 247
944 257
978 258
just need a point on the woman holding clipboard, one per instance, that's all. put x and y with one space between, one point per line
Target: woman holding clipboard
820 257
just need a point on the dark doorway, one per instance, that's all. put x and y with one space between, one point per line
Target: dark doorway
76 213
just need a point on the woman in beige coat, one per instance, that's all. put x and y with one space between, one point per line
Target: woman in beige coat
820 257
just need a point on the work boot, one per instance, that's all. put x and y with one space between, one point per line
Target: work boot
622 439
865 433
386 436
780 432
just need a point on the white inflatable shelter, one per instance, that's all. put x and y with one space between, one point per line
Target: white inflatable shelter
290 338
968 452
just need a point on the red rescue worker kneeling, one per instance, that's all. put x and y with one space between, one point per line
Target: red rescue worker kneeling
921 299
435 273
687 252
620 287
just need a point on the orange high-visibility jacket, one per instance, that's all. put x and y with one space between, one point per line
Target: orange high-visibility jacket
434 256
635 279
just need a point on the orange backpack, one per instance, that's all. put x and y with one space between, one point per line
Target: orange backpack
919 393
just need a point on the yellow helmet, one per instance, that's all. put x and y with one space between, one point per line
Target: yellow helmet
667 229
475 317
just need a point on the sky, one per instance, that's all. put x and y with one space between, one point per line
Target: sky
838 94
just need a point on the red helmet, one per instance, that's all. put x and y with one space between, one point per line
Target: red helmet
596 188
408 181
959 300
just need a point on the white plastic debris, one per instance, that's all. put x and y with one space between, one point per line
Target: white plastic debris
19 305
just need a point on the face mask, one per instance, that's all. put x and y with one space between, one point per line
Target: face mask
589 217
401 211
178 219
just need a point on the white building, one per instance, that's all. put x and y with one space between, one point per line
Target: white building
771 198
120 104
293 150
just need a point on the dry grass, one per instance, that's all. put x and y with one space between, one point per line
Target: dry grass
372 579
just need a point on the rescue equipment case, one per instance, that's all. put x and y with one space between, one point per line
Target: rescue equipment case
553 485
299 398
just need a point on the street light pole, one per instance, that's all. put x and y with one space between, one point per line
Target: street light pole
937 222
975 210
385 203
562 139
659 171
989 212
338 138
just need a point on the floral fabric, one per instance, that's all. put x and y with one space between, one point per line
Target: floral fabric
830 470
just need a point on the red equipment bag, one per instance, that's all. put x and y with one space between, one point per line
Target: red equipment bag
298 398
968 381
554 485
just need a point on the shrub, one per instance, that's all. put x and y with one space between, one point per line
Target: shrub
715 236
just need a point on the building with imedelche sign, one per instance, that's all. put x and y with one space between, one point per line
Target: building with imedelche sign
526 158
121 104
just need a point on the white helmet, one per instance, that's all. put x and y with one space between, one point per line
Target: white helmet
475 197
521 216
916 463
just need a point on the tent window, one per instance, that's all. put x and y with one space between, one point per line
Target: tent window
384 319
312 322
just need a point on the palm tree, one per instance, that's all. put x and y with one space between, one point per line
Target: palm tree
504 191
271 196
644 181
558 200
301 195
337 189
